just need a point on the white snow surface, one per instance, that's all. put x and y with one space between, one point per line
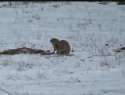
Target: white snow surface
93 69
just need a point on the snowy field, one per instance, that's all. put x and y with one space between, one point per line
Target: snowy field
94 31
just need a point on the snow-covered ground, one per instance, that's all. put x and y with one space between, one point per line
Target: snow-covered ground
94 31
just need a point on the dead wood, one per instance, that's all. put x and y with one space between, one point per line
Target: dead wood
25 50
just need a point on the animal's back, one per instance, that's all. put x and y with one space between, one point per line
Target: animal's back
65 47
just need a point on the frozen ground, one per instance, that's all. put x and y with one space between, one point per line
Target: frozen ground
94 69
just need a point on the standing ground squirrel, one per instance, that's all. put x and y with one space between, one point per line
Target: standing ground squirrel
62 47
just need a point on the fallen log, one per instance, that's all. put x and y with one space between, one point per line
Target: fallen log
25 50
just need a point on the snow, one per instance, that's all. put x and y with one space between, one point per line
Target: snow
93 69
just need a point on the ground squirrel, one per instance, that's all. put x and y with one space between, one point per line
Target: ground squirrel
62 47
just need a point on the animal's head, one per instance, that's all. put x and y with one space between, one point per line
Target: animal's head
54 40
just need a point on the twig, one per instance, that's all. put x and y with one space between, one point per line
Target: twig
6 92
88 14
96 45
103 56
